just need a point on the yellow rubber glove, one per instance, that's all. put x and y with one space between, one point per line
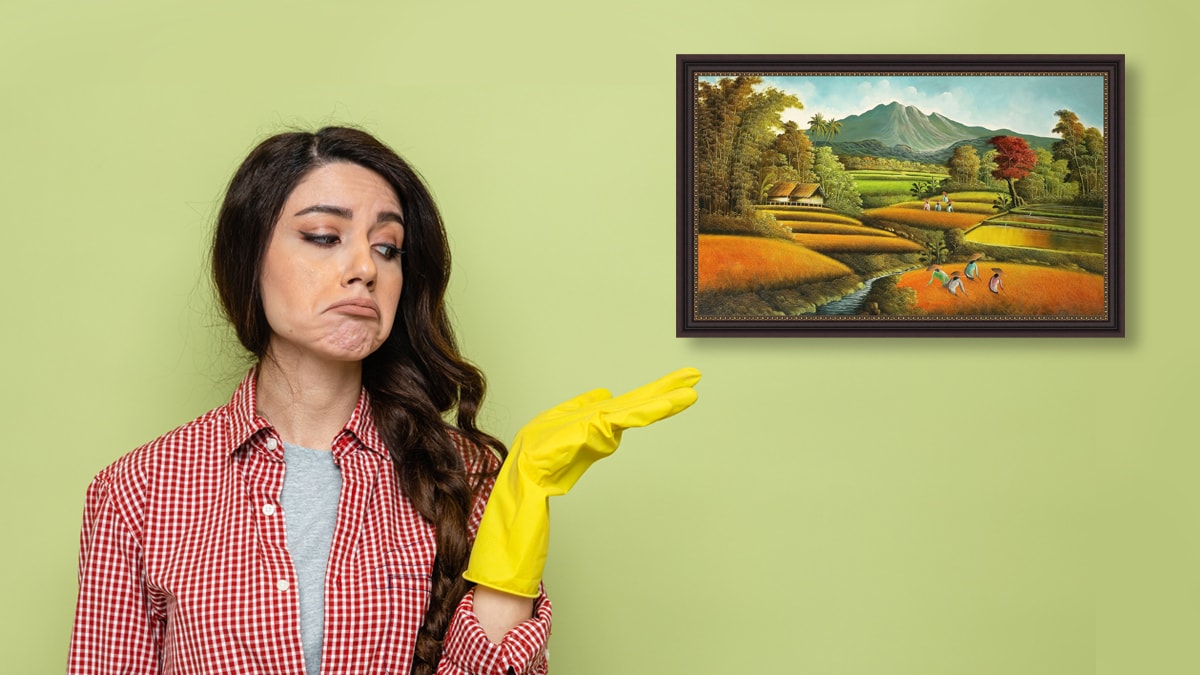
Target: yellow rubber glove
546 458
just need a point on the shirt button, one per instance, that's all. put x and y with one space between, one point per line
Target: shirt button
272 444
282 584
268 509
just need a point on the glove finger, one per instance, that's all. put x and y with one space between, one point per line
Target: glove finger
645 412
682 378
585 399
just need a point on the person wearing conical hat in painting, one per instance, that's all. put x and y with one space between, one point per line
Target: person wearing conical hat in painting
972 270
995 285
938 275
956 284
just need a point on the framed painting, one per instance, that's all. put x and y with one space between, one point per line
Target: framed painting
900 195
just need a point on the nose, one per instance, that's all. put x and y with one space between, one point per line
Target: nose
360 268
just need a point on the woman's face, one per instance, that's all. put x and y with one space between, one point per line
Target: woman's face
331 275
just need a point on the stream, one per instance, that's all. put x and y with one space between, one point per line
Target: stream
848 305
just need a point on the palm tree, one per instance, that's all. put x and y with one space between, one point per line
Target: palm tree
833 128
818 126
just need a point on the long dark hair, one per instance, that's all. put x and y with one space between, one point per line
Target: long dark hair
414 379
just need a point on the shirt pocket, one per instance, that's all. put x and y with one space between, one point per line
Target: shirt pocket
408 569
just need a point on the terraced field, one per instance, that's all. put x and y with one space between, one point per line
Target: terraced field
729 263
739 264
1044 226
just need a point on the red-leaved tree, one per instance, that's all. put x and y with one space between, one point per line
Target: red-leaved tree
1014 160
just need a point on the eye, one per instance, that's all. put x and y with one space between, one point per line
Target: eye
320 239
388 251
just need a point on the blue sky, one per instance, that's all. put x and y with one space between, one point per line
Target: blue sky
1025 104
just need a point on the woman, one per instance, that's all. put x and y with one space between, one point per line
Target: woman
322 521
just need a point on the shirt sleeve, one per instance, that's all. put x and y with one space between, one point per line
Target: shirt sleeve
468 651
114 631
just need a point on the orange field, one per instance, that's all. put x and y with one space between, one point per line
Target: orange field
856 243
733 263
1029 290
813 216
836 228
928 219
959 207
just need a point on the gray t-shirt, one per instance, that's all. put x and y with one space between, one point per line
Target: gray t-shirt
312 485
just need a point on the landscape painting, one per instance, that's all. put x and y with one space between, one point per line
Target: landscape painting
939 196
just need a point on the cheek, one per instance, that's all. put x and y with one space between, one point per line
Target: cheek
287 294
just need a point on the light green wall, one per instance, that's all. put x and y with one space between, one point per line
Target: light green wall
835 507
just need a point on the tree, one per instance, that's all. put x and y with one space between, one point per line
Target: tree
1083 149
734 124
964 166
797 151
1047 180
1093 166
818 126
927 188
987 164
1014 161
772 168
833 128
841 192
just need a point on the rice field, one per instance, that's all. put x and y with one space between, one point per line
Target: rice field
1039 222
883 187
1028 291
852 243
834 233
1076 212
933 220
732 263
836 228
981 196
959 207
809 214
1024 237
876 182
1044 226
892 174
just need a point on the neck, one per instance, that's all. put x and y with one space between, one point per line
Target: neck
307 400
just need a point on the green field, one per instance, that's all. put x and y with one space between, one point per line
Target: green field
879 174
960 205
982 196
878 183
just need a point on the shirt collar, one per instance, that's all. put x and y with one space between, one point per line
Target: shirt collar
245 422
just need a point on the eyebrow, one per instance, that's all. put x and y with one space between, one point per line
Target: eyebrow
347 214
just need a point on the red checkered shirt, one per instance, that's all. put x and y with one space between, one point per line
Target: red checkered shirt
184 567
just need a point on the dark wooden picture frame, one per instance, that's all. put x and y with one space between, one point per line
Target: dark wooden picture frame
832 224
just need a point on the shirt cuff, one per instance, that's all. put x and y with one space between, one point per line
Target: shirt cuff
467 649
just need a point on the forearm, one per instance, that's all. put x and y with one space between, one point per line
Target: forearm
499 612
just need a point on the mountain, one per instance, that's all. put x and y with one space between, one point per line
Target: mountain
905 130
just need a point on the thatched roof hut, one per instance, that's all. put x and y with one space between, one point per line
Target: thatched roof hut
780 191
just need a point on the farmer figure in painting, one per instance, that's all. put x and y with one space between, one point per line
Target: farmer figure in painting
937 206
972 270
926 203
949 207
938 275
945 197
955 285
995 285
